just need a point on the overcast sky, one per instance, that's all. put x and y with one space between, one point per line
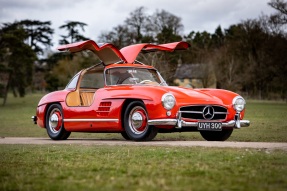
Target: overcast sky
103 15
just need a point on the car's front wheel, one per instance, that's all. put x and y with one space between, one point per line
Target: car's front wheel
54 123
136 122
125 135
216 135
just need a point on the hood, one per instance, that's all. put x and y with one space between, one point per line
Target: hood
190 96
183 96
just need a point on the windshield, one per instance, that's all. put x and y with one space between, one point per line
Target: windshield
133 76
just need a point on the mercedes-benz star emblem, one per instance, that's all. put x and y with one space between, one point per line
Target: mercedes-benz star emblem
208 112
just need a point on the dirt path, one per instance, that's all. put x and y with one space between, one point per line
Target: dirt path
34 140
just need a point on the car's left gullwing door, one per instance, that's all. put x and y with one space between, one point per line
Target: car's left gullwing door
108 53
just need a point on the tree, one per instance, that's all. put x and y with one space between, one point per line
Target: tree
167 35
163 19
120 36
38 33
16 59
52 81
137 22
73 32
281 16
218 37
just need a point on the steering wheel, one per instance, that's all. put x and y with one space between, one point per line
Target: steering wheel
144 81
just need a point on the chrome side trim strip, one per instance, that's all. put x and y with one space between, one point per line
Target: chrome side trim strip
102 111
96 120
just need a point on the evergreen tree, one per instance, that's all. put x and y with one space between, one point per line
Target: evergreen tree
16 59
73 32
38 33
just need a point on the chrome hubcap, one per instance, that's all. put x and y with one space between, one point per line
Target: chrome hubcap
138 120
55 120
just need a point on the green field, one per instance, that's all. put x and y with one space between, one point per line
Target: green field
93 167
82 167
268 122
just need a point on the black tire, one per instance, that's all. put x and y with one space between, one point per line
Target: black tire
138 131
216 135
55 130
125 135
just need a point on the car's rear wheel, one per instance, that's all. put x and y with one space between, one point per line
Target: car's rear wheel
136 123
54 123
216 135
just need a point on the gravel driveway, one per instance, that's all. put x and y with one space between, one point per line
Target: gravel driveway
35 140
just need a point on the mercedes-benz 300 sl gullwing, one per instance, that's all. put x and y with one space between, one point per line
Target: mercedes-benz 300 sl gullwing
123 95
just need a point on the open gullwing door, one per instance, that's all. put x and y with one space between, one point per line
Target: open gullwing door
108 53
131 52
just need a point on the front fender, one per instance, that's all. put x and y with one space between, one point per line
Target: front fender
226 97
58 96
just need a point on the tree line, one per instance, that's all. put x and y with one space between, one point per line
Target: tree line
249 56
21 43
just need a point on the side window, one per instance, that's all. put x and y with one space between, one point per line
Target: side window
73 83
93 80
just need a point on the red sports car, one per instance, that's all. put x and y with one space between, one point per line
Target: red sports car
123 95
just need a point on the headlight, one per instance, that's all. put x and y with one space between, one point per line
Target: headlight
238 103
168 101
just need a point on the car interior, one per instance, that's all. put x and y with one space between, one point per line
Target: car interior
89 82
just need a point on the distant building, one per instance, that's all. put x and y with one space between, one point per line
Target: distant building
195 76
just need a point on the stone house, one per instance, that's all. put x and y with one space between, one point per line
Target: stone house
195 76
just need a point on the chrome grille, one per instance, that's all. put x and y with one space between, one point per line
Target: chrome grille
199 112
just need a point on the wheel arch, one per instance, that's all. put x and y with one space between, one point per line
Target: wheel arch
46 109
124 107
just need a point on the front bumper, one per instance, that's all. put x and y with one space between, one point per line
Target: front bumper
178 122
181 123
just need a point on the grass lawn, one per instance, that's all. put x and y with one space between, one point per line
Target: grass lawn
90 167
268 122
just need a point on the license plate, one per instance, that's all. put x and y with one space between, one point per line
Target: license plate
209 126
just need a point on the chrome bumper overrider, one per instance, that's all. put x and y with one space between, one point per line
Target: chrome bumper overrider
181 123
34 119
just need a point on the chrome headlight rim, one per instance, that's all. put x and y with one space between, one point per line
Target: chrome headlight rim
234 103
163 101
